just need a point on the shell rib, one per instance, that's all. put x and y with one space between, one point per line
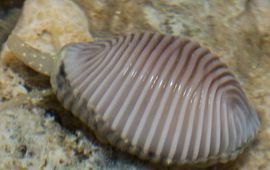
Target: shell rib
160 97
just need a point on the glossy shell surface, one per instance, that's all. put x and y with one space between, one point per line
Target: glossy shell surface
160 97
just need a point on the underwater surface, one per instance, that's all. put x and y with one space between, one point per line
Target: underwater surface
41 134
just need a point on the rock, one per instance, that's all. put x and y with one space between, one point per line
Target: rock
7 23
51 24
6 5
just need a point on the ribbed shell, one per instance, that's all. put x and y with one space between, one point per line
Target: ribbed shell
160 97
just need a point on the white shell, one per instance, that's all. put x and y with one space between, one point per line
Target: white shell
160 97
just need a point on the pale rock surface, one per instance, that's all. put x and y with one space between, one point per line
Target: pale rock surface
50 24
